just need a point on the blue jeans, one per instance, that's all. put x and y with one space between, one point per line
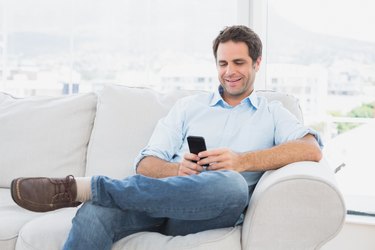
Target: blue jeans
172 206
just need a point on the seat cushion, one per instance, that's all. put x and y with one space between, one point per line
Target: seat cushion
50 231
217 239
12 218
44 136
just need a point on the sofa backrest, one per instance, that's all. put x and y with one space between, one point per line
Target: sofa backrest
289 101
125 120
88 134
44 136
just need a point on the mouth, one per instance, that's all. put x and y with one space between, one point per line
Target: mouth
233 81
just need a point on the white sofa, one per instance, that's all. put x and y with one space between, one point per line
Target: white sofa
295 207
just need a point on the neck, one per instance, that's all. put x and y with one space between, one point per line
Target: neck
234 100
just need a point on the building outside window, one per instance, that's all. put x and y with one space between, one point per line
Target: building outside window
49 47
324 53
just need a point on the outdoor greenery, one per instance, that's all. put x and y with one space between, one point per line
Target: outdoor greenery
366 110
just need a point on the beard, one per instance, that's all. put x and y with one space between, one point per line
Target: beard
238 89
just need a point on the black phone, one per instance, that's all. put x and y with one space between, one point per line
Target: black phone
197 144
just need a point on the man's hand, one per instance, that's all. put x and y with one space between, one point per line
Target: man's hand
221 159
303 149
188 165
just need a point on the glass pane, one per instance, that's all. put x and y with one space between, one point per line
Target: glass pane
35 51
324 53
63 47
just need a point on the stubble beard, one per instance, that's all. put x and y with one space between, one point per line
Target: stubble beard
245 89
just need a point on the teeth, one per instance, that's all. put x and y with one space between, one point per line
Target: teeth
235 80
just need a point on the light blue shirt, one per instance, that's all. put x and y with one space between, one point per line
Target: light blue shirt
254 124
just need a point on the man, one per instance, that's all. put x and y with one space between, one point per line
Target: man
172 193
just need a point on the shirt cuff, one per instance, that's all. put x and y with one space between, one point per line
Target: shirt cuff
313 132
147 152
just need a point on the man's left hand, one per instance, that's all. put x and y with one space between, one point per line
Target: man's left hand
221 159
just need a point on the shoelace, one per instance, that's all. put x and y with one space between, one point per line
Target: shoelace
64 188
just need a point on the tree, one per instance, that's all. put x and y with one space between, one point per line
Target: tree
366 110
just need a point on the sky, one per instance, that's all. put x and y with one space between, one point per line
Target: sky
345 18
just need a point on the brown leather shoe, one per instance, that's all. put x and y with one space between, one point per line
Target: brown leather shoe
43 194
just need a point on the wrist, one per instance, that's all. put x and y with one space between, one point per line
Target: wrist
245 161
174 168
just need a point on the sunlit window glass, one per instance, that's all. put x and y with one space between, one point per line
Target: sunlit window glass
323 52
51 47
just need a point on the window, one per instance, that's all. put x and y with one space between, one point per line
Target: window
323 52
51 47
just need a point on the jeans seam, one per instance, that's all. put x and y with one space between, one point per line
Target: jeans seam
94 188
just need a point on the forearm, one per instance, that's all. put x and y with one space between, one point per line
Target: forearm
157 168
305 149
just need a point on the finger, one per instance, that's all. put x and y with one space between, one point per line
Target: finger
192 164
213 152
191 157
190 168
199 168
217 166
189 171
195 167
211 159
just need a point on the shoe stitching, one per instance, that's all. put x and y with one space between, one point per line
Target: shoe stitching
18 189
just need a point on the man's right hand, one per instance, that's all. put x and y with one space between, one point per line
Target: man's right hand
189 166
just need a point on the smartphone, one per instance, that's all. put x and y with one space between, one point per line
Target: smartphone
197 144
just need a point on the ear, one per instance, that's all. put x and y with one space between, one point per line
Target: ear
257 63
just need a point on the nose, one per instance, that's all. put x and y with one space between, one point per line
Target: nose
229 69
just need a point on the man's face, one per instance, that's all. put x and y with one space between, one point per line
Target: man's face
236 71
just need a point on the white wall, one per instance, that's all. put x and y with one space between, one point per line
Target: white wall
358 233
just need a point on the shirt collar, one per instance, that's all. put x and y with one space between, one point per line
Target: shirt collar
217 99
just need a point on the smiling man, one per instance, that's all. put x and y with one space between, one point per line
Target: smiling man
237 69
172 193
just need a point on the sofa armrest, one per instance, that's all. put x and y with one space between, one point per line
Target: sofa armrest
298 206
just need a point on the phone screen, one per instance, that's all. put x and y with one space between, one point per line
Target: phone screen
197 144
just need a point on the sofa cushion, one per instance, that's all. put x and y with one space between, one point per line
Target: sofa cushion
12 218
216 239
124 122
49 232
44 136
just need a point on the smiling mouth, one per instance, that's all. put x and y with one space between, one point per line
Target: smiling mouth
233 81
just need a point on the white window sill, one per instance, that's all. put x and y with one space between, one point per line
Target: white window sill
360 220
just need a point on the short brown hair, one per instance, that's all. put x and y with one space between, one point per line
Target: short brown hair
240 33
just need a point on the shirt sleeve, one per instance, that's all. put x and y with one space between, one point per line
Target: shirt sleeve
167 136
288 127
